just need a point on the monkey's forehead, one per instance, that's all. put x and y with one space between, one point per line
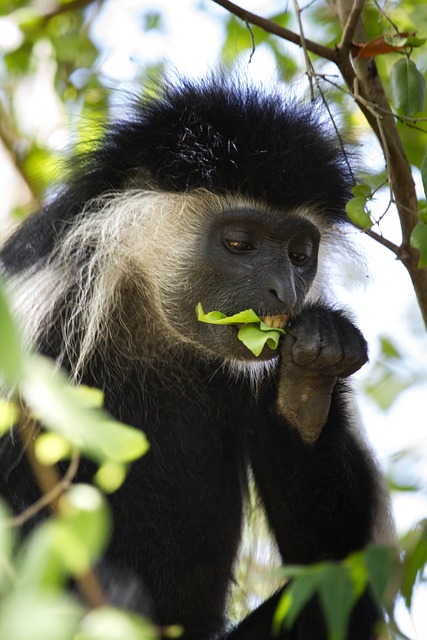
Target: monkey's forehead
226 138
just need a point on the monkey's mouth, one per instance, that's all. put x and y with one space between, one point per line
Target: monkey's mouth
276 322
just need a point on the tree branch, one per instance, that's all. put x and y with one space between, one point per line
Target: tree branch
74 5
308 65
385 243
276 29
351 25
364 83
10 143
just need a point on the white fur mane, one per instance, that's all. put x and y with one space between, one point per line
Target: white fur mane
141 237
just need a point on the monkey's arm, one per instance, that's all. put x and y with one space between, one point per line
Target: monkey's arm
322 347
317 482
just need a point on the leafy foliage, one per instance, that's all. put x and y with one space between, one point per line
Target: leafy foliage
34 574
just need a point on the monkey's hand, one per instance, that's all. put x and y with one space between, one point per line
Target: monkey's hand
319 348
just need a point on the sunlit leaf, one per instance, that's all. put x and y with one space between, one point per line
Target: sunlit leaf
294 598
68 544
337 596
413 41
9 414
396 40
388 349
357 212
110 476
65 411
111 624
11 358
254 333
7 540
380 562
39 616
424 175
408 87
85 514
51 447
386 389
255 338
216 317
415 560
419 241
361 191
357 572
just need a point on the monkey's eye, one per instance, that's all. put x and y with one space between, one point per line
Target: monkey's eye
239 246
298 258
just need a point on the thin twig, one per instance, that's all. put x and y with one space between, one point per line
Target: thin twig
334 124
248 26
51 496
308 65
409 121
272 27
11 143
387 17
383 137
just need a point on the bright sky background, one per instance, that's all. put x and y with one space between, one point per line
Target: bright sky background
384 303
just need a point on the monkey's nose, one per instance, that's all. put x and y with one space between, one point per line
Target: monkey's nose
283 291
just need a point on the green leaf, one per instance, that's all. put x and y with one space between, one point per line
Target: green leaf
380 562
388 349
337 596
408 87
255 334
424 174
108 623
357 572
386 389
418 241
110 476
7 541
11 357
216 317
51 447
255 338
356 211
152 20
414 562
39 616
9 415
422 213
63 410
413 41
362 191
396 39
294 598
68 544
85 513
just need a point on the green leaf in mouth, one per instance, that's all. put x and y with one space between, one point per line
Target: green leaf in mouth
254 333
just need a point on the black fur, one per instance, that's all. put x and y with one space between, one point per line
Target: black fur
177 519
237 141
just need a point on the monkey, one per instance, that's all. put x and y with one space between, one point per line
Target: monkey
220 193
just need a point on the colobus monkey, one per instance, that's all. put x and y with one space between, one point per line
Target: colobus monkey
225 196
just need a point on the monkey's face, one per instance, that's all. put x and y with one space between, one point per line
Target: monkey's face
249 259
